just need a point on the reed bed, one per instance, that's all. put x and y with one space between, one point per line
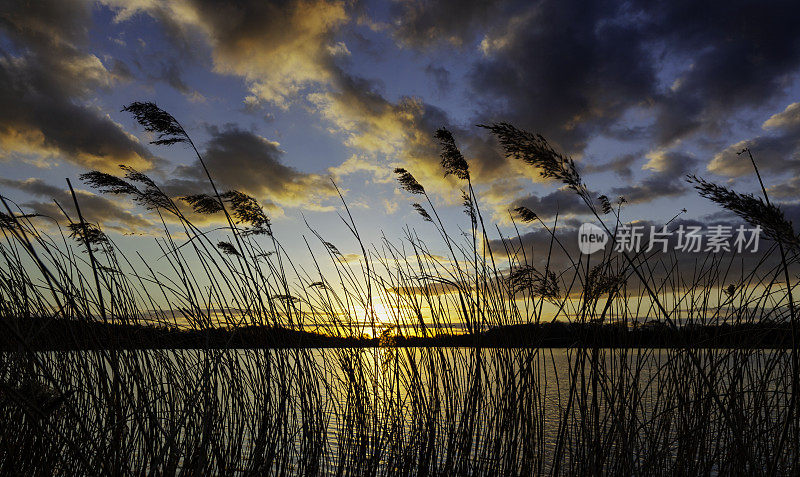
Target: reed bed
389 410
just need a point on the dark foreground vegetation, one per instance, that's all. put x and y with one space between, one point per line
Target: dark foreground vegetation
48 335
86 400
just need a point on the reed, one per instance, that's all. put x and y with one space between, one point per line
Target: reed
389 410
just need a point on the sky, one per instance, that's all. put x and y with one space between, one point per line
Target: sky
285 98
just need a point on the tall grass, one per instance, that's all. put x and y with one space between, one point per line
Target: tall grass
388 410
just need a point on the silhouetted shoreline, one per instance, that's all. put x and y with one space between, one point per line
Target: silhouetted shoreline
42 335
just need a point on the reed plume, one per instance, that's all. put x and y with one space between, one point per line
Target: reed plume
526 215
533 149
752 209
153 119
453 161
408 182
421 210
227 248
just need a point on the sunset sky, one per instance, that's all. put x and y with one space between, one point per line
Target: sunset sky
283 96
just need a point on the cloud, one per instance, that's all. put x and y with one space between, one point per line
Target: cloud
776 151
665 176
170 72
440 76
278 47
563 69
369 122
570 70
45 84
287 51
787 120
677 268
563 202
786 190
621 165
387 134
425 24
741 55
94 208
242 160
350 257
361 163
667 179
401 133
573 71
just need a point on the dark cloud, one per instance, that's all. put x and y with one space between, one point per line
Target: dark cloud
440 77
423 24
571 69
735 54
667 178
565 69
94 208
786 190
621 165
242 160
171 73
46 24
777 151
539 246
44 83
563 202
676 268
121 70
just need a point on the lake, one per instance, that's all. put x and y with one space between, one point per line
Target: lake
407 411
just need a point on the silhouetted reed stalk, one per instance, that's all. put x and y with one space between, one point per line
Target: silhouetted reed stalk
387 410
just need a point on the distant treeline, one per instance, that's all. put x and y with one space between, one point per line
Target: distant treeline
54 334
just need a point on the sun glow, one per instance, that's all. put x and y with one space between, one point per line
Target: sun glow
384 314
377 319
